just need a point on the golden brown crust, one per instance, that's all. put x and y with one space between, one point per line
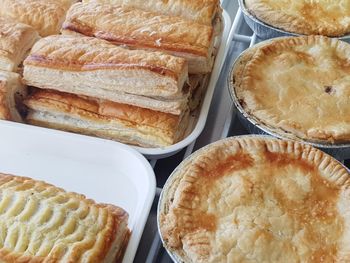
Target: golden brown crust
46 16
121 122
82 231
87 54
200 11
329 18
15 41
312 106
140 29
257 199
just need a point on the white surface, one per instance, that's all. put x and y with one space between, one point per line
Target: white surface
157 153
105 171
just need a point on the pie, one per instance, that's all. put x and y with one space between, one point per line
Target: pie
308 17
12 91
16 40
138 29
200 11
106 119
297 87
46 16
257 199
42 223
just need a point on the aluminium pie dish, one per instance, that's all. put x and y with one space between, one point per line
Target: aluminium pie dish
257 199
329 18
296 88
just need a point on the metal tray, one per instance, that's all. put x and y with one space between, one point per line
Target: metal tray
254 126
265 31
108 172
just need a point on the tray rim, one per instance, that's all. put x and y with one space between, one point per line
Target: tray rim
142 213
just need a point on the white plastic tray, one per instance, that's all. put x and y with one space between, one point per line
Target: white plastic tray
198 122
105 171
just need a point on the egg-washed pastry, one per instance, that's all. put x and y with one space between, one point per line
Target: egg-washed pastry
200 11
308 17
106 119
96 68
16 40
42 223
12 91
140 29
46 16
257 199
297 87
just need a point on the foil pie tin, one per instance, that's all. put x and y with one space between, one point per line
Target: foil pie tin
265 31
254 126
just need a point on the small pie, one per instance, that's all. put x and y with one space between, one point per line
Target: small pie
308 17
299 87
256 199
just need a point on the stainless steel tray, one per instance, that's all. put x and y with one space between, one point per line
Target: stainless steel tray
265 31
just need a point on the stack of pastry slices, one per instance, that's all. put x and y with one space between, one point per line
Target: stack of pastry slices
123 72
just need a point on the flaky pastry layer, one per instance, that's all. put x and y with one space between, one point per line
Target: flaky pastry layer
257 199
308 17
42 223
298 87
46 16
121 122
146 30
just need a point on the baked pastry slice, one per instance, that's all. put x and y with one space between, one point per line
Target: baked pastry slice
12 91
297 87
329 18
106 119
42 223
96 68
257 199
139 29
200 11
46 16
16 40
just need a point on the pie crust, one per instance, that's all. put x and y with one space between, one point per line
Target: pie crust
298 87
308 17
257 199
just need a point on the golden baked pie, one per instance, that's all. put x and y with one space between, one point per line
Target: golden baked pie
106 119
12 91
298 87
200 11
46 16
42 223
16 40
308 17
140 29
256 199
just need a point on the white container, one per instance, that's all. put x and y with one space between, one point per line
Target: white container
106 171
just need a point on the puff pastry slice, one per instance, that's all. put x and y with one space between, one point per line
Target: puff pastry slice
96 68
106 119
46 16
42 223
12 91
200 11
16 39
257 199
146 30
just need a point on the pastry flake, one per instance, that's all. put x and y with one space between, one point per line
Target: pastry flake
298 87
308 17
256 199
42 223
